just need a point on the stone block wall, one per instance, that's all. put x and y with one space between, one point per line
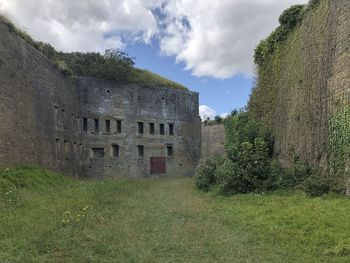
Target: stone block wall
87 127
213 140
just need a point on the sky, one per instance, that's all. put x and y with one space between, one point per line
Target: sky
205 45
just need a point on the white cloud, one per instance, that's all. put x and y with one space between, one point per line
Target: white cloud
223 115
212 38
206 112
84 25
221 35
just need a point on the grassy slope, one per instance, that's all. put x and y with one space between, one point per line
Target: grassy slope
163 220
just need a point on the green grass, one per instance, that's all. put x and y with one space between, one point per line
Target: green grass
147 78
162 220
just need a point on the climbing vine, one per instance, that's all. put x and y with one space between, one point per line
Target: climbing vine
339 143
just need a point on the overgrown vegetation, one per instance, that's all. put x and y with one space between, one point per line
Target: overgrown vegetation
288 20
339 148
217 120
249 165
111 65
46 217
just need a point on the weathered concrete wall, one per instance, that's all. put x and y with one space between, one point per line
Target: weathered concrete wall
131 105
30 87
43 114
213 140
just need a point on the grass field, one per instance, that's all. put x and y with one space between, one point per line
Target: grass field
50 218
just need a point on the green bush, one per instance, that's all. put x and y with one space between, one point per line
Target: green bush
205 172
246 169
316 184
288 21
291 16
230 178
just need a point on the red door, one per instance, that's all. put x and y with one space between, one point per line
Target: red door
158 165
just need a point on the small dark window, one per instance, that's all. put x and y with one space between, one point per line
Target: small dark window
170 151
85 124
151 128
140 127
97 152
161 129
115 148
97 125
171 129
119 126
140 149
108 126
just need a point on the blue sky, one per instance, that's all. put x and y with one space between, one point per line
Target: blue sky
220 95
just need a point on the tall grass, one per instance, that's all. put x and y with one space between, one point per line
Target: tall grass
51 218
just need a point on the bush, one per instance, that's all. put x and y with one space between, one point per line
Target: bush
316 184
246 169
291 16
231 179
205 172
288 21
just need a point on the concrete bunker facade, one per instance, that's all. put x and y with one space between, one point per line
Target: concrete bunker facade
87 127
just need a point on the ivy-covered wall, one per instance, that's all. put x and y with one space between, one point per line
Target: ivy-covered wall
303 86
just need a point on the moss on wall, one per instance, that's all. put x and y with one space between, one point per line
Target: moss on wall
304 82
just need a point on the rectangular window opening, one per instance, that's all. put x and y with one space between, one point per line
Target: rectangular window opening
115 150
161 129
170 151
141 151
108 126
140 127
151 128
85 124
171 129
119 126
97 126
97 152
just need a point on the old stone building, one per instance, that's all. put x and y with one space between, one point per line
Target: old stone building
88 127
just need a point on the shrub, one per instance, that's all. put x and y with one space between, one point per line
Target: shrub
288 20
231 179
241 128
205 172
316 184
246 169
290 17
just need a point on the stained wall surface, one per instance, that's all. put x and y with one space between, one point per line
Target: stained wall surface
70 126
305 82
213 140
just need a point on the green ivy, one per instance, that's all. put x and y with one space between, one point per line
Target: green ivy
339 143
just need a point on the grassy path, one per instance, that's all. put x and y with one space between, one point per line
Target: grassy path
168 220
